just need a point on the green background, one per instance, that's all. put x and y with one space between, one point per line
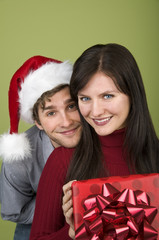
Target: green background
63 29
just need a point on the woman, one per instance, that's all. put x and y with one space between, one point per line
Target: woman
107 85
118 135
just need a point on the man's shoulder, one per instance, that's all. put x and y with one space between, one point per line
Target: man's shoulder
32 131
35 135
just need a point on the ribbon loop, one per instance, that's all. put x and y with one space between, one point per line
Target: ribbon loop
115 215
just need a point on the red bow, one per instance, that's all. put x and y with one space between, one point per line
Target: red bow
115 215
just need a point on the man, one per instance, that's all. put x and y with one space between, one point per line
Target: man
38 93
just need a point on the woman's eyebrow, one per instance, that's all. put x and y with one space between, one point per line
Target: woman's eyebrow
102 93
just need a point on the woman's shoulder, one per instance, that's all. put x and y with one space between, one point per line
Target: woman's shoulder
62 151
56 166
60 156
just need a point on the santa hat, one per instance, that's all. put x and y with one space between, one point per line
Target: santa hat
36 76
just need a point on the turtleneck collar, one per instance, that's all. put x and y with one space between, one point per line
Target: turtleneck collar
115 139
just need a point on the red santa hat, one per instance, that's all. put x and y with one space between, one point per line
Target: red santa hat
36 76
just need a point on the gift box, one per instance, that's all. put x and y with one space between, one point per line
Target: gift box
117 208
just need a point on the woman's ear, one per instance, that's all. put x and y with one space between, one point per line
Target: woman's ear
38 125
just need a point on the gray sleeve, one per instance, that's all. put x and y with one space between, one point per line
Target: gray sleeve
16 194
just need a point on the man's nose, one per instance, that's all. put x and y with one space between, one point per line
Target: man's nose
66 120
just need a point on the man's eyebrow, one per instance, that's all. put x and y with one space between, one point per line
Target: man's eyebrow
69 100
54 107
49 107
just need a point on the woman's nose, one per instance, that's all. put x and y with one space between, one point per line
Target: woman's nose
97 109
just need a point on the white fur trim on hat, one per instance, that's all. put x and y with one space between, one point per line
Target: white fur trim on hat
45 78
14 147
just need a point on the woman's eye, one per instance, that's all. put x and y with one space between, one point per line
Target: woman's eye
108 96
84 99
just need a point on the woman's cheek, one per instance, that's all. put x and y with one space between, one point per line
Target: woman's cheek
84 109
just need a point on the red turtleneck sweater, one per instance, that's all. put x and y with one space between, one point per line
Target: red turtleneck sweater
113 154
49 222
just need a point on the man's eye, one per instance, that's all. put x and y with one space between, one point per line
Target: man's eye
72 106
51 114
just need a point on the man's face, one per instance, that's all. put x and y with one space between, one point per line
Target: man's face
60 120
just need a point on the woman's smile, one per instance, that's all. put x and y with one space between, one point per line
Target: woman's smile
102 121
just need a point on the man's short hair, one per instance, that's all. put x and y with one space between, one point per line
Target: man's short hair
45 97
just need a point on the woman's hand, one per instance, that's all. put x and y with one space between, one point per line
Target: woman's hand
67 207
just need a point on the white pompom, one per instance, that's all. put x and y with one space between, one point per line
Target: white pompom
14 147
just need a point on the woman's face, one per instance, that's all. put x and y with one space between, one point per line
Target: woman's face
102 105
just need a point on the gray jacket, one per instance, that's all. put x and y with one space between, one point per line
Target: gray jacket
19 179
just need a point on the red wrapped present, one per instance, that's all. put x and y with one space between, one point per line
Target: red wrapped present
117 208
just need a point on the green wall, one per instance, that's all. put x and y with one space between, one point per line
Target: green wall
63 29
